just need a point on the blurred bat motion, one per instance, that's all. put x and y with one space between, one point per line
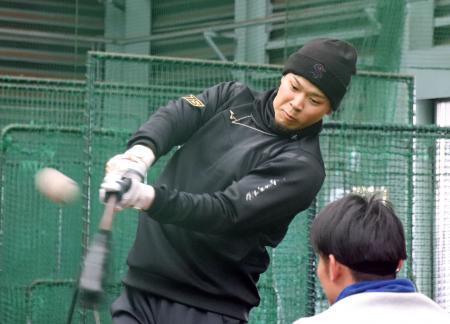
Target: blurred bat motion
95 265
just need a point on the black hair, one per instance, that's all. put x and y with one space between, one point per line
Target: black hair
363 233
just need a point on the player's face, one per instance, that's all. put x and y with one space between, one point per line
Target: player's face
299 103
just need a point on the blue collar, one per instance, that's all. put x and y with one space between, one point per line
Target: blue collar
395 285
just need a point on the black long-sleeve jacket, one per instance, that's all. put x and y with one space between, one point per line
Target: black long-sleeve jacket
228 192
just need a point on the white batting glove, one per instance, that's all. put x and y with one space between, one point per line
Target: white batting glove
133 163
137 195
138 158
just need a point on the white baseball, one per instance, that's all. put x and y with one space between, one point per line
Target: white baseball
56 186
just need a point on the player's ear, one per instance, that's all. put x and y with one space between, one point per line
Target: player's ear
400 265
335 268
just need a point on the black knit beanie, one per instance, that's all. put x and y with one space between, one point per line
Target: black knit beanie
326 63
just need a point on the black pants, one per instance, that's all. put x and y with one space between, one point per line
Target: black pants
136 307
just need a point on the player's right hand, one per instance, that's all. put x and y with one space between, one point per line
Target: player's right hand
131 193
136 160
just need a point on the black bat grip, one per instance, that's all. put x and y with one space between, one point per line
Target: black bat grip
94 270
95 264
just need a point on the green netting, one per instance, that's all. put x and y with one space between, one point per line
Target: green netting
141 83
36 101
41 245
39 241
406 36
51 38
403 164
49 257
372 97
379 29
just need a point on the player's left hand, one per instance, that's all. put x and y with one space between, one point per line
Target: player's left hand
137 195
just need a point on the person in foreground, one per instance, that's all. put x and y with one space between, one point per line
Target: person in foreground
249 162
360 243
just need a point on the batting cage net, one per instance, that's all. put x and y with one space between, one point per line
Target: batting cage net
51 38
37 101
75 127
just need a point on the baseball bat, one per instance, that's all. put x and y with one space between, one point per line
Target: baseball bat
95 263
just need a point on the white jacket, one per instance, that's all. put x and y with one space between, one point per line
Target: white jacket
381 308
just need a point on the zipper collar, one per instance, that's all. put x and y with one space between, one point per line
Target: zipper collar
241 121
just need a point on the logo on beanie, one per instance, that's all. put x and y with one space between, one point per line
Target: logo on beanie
318 71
